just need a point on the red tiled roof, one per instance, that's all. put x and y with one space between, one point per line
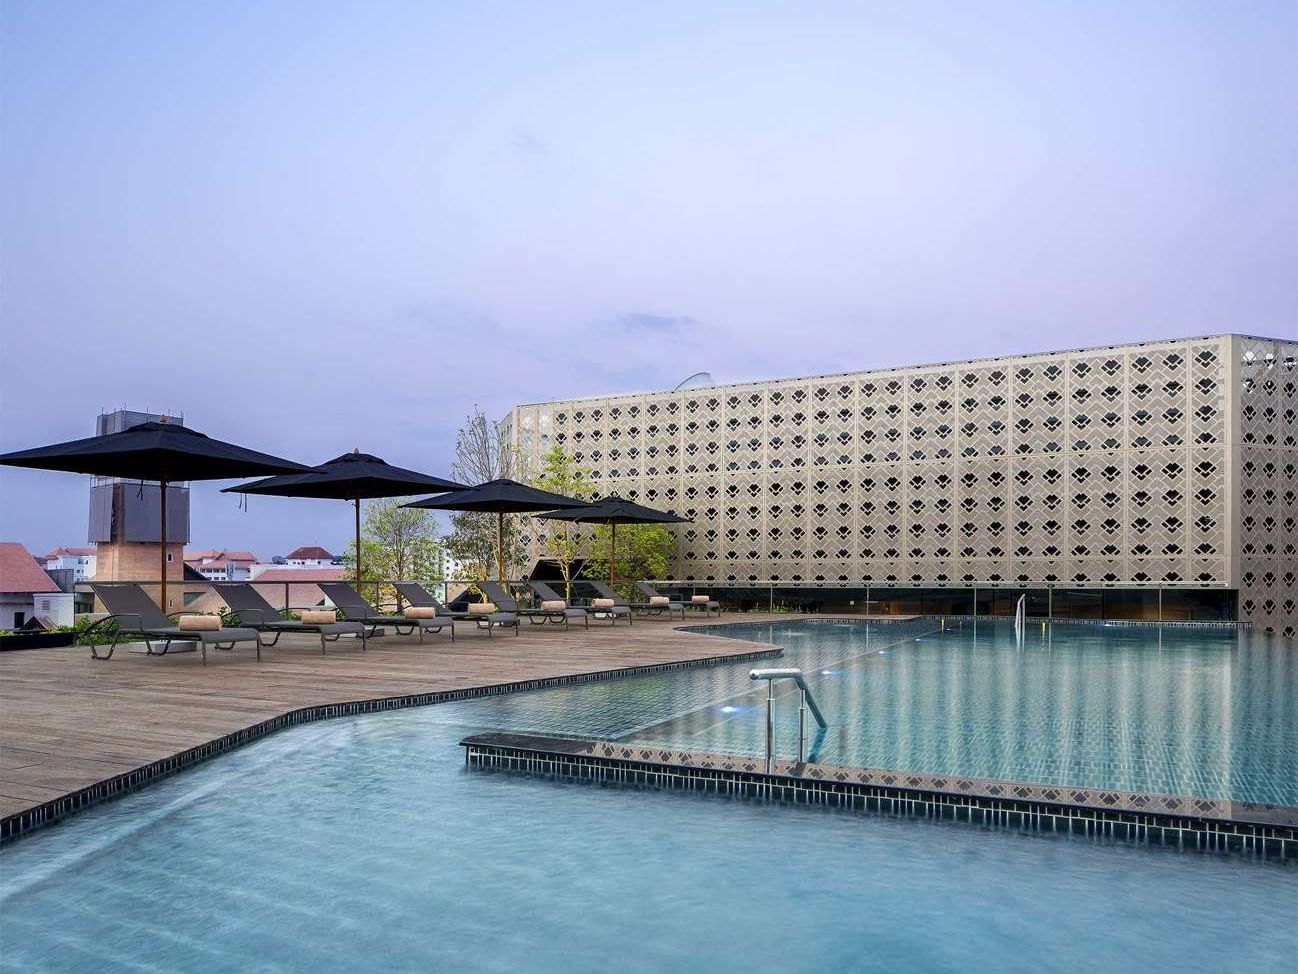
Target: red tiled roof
302 575
19 571
310 551
220 555
59 552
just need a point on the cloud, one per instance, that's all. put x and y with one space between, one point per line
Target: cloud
528 143
638 322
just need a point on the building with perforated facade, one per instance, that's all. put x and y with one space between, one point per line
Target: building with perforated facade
1153 481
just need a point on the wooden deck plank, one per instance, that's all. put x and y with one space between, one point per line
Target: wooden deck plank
69 721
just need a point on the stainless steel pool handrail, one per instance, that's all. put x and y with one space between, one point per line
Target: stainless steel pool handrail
806 701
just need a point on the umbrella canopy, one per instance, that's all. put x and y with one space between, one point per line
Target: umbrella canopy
500 497
165 452
351 477
613 511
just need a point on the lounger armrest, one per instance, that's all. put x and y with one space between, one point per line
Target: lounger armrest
115 617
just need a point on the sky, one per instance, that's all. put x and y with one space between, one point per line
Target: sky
316 226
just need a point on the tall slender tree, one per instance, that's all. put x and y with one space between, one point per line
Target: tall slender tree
396 543
483 452
564 541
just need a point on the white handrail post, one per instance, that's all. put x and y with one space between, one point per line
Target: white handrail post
770 726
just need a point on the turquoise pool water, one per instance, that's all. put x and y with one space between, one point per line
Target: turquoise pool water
1202 712
363 844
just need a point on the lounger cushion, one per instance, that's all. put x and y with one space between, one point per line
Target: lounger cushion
697 599
197 623
554 605
482 608
421 612
603 603
659 600
319 617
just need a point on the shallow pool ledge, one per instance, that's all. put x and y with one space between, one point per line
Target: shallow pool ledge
1189 823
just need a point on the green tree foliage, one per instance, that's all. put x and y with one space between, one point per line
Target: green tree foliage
564 541
482 453
643 551
397 543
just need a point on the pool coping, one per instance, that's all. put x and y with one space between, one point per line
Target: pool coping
25 822
1186 822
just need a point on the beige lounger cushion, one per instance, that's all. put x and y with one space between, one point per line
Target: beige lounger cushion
554 605
420 612
319 617
603 603
700 598
482 608
659 600
200 623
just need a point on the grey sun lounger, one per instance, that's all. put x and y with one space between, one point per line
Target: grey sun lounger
134 614
256 613
651 593
506 616
621 607
416 594
357 609
564 615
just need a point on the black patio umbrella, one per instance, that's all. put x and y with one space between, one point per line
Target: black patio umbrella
500 497
613 511
161 451
354 476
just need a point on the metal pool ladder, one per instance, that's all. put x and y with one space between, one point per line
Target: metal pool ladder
806 702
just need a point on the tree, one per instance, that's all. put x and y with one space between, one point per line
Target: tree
643 551
396 543
483 452
562 543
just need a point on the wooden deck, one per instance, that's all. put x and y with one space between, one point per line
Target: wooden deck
70 722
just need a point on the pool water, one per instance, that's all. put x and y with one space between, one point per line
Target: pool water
1201 712
364 844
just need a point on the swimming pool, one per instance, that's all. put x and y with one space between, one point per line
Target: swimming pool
1203 712
363 844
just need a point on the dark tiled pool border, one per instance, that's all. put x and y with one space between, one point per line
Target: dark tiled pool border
1191 823
24 822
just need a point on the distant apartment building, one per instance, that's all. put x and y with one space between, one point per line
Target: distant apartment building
310 556
79 561
28 596
221 565
1155 481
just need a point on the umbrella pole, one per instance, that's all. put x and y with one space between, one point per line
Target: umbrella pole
500 544
358 544
612 552
162 536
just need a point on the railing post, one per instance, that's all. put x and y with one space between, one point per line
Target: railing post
802 725
770 726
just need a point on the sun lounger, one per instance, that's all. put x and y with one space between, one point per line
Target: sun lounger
357 609
620 609
134 615
506 614
554 614
657 604
417 595
256 613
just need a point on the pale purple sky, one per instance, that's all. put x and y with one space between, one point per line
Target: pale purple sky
313 226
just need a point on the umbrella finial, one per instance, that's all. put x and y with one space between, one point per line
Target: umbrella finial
356 449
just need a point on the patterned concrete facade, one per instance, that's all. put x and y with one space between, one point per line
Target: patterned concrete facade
1165 465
